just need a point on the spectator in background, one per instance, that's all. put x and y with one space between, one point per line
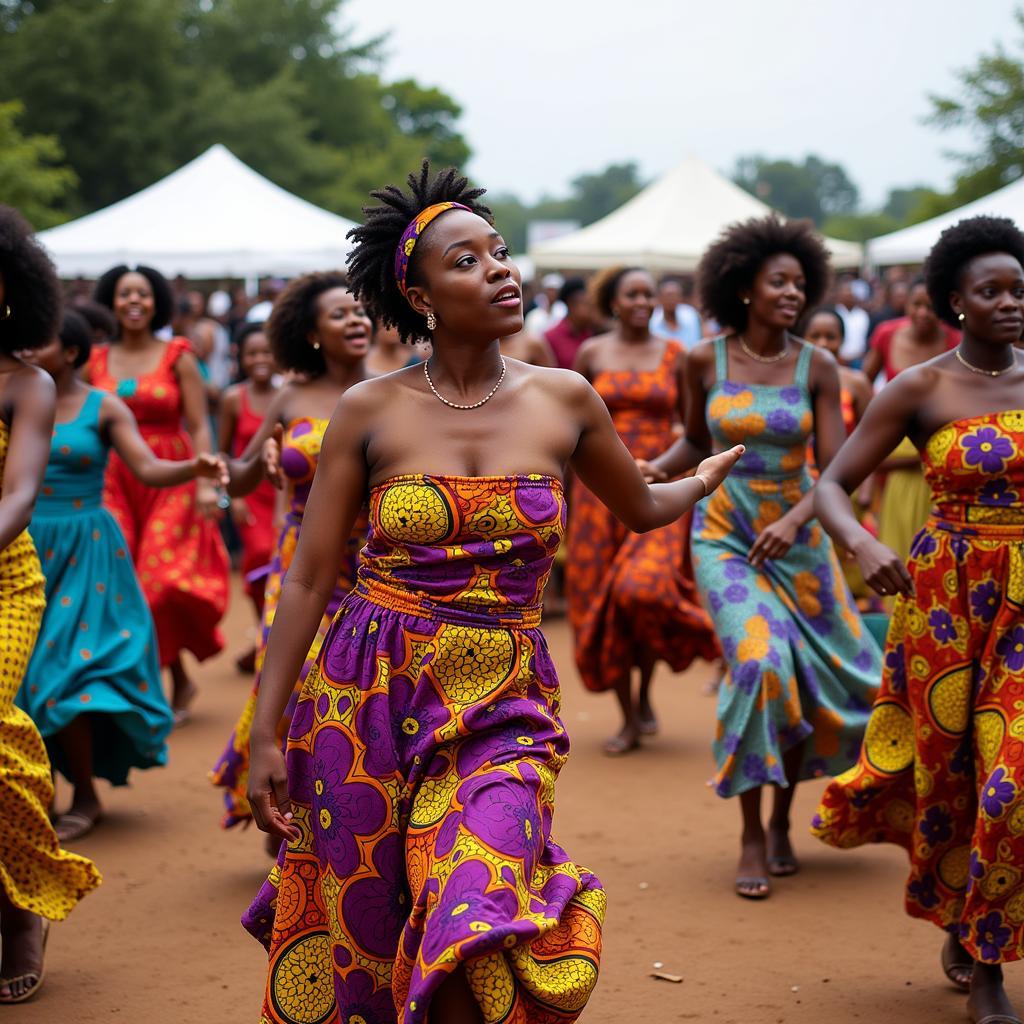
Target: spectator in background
102 325
851 294
673 316
270 288
894 302
547 309
567 335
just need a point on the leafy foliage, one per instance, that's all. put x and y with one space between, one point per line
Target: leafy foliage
134 88
815 189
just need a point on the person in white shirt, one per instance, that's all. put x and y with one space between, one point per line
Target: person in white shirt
856 319
673 317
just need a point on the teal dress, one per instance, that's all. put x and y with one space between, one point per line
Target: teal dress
802 665
96 651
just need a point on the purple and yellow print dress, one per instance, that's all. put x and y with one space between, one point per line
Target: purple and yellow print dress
941 772
300 453
422 760
802 665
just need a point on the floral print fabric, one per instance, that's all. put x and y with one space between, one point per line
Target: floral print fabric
632 594
421 760
941 771
802 665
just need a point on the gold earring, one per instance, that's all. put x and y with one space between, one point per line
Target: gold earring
961 318
6 315
431 322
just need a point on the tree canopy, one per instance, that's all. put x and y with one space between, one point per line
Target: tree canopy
814 189
132 89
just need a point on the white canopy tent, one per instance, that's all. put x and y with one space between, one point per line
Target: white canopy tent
911 245
667 226
215 217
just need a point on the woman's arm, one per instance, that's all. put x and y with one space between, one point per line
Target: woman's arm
541 354
251 467
695 444
126 440
605 466
886 422
32 404
196 414
337 494
230 409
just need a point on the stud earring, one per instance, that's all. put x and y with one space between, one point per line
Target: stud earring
746 302
316 346
961 318
431 322
6 314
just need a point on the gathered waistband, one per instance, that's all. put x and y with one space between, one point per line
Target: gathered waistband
980 521
411 603
53 508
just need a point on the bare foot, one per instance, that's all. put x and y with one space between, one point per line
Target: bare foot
957 963
23 936
183 693
627 739
782 860
752 873
988 1000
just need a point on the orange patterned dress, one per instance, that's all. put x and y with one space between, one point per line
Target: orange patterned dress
941 771
633 594
180 557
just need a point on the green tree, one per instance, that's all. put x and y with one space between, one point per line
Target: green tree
595 195
815 189
991 107
134 88
33 176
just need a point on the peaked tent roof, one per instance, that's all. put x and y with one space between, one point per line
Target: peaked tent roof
911 245
667 226
214 217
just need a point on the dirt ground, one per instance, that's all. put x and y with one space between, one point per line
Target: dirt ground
160 941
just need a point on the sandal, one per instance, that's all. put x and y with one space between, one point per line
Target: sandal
783 867
33 988
617 746
753 887
951 964
998 1018
74 825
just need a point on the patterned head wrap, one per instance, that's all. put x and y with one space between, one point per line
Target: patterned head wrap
411 235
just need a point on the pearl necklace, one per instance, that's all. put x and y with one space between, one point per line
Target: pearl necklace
452 405
764 359
986 373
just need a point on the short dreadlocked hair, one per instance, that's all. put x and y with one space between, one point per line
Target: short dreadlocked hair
294 317
371 264
733 261
959 245
31 289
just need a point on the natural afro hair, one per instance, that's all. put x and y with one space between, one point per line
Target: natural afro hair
163 297
606 284
293 319
371 264
75 332
100 319
959 245
30 290
732 262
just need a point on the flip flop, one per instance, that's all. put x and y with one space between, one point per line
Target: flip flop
648 727
762 892
32 989
998 1018
783 867
616 747
76 825
950 967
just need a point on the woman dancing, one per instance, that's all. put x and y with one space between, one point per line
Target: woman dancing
419 880
39 882
172 535
802 667
93 683
243 408
941 771
319 330
632 599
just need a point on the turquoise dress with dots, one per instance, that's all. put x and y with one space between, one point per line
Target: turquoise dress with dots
96 653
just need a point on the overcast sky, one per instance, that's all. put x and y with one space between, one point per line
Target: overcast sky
552 88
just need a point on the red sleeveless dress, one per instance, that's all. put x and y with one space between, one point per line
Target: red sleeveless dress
257 535
180 557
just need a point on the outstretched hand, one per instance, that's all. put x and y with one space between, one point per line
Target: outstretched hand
714 469
212 467
268 791
271 456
